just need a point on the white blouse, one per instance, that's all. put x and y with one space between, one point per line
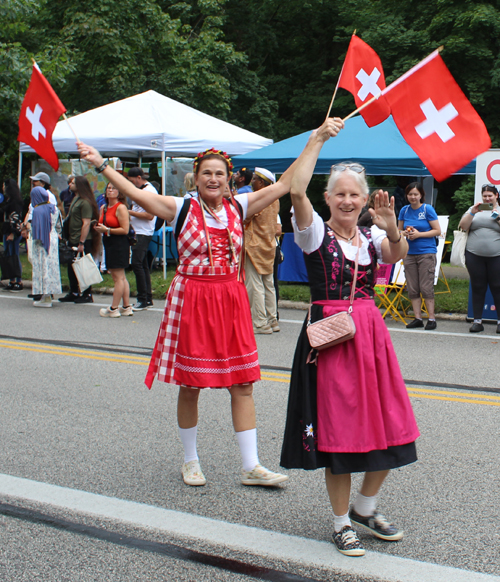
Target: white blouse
311 238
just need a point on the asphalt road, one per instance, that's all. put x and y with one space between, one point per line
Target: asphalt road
75 414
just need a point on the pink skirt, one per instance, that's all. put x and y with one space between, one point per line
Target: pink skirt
362 400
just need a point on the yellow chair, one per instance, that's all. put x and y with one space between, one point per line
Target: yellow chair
390 294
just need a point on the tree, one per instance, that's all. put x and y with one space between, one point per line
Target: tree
19 43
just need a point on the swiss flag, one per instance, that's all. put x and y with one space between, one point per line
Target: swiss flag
436 119
363 76
40 111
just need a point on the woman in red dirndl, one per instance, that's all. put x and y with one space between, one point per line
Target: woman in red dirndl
206 337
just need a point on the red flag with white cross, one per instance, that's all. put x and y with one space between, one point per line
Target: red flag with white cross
40 111
363 76
436 119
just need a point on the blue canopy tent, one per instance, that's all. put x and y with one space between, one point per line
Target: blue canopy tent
380 149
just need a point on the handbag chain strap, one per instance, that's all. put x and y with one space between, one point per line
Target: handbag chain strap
354 279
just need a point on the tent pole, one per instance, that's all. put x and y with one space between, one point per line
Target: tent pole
19 167
164 193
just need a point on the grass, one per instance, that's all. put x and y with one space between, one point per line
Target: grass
454 302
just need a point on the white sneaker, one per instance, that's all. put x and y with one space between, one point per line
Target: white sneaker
108 312
259 475
126 310
192 474
45 301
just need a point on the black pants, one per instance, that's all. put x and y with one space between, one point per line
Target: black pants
141 268
483 271
73 281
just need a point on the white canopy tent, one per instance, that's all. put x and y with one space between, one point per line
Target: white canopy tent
150 125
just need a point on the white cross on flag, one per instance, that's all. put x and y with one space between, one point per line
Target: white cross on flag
40 111
363 76
436 119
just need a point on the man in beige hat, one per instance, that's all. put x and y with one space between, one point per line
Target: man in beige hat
260 249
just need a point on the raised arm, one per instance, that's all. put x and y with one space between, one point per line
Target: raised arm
261 199
162 206
304 169
394 246
467 218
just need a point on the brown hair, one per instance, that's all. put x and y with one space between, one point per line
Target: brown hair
415 186
84 191
212 153
121 197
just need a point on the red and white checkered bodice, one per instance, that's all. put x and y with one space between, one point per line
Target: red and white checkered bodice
192 244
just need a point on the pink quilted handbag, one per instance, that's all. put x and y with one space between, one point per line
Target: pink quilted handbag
331 331
336 328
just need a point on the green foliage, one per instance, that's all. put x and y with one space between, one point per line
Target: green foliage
19 44
270 67
463 199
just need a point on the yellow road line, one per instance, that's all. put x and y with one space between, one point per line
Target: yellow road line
278 374
463 400
489 400
444 392
88 355
60 349
283 379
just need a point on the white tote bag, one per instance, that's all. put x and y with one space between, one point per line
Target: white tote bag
457 258
86 272
29 248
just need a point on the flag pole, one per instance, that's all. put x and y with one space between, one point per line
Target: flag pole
396 82
337 86
73 131
362 107
35 64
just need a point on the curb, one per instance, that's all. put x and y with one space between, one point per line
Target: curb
283 303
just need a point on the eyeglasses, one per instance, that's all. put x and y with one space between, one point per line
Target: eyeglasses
490 186
358 168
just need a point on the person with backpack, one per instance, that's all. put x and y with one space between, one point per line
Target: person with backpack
206 338
420 225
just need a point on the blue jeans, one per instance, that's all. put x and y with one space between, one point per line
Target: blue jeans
11 247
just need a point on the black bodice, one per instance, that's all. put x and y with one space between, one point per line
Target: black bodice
330 272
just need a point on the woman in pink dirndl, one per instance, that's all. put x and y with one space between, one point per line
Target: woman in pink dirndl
206 336
348 408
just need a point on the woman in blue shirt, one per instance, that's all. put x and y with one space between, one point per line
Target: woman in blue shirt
420 225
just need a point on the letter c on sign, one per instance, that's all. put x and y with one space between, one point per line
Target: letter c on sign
490 178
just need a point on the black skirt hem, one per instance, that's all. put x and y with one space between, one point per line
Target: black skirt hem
299 450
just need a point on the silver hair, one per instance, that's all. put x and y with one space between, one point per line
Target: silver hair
360 179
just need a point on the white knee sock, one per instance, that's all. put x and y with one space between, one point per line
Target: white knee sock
247 439
188 438
365 506
340 521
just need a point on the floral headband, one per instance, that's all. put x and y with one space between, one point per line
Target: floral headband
220 153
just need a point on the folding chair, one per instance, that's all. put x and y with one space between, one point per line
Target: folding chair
389 290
